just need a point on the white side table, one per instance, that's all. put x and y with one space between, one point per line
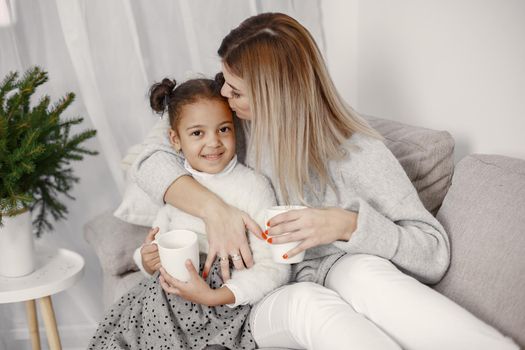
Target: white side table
56 270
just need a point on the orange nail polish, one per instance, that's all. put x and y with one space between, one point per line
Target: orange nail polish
268 224
204 275
265 234
285 256
270 240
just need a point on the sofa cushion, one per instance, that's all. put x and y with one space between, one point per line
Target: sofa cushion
114 242
426 155
484 215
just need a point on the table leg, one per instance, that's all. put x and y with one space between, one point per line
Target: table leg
50 322
33 324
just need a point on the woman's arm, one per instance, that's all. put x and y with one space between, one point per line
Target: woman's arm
408 235
225 225
380 214
159 171
313 226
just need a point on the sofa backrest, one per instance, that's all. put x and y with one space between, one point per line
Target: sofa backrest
426 155
484 215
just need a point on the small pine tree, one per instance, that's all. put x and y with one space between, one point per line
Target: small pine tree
36 149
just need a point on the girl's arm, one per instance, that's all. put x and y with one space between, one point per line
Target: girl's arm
196 289
247 286
146 257
251 285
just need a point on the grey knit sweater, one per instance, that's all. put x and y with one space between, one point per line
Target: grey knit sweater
392 221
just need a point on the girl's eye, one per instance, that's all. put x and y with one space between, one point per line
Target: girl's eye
196 133
235 94
224 129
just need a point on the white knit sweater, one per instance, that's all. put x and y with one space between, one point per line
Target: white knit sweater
241 187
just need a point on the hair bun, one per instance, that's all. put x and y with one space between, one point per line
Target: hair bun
218 82
219 79
169 84
159 94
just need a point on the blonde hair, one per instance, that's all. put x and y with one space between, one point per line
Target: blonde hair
296 110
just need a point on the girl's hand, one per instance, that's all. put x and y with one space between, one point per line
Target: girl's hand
150 253
226 228
312 226
195 290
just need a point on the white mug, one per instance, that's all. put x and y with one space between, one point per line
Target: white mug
175 247
278 250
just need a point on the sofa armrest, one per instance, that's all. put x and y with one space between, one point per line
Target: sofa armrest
484 215
114 242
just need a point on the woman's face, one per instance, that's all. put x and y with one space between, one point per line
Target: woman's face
234 89
206 136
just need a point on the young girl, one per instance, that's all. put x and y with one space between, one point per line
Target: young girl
203 311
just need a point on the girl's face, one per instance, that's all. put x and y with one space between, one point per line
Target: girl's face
206 136
234 89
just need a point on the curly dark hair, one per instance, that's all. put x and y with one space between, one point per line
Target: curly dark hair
167 95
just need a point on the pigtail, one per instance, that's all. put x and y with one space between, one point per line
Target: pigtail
159 95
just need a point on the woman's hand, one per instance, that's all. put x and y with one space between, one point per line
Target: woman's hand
312 226
226 228
150 253
196 289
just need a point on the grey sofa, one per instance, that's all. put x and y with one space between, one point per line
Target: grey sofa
480 202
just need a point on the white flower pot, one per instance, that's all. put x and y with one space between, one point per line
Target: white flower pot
17 256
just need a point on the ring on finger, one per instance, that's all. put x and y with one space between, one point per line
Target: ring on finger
223 258
235 257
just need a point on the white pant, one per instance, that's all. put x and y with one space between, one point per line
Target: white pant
368 304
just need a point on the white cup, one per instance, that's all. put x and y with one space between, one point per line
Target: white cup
278 250
175 247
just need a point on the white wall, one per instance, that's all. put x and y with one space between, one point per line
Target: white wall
452 65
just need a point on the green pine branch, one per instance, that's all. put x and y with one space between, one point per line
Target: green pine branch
36 149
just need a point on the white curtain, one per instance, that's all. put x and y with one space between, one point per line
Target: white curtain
109 53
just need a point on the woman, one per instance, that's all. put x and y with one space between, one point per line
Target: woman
364 225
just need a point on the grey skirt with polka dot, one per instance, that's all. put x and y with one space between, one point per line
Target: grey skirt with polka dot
148 318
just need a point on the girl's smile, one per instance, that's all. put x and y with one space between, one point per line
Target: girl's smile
213 157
